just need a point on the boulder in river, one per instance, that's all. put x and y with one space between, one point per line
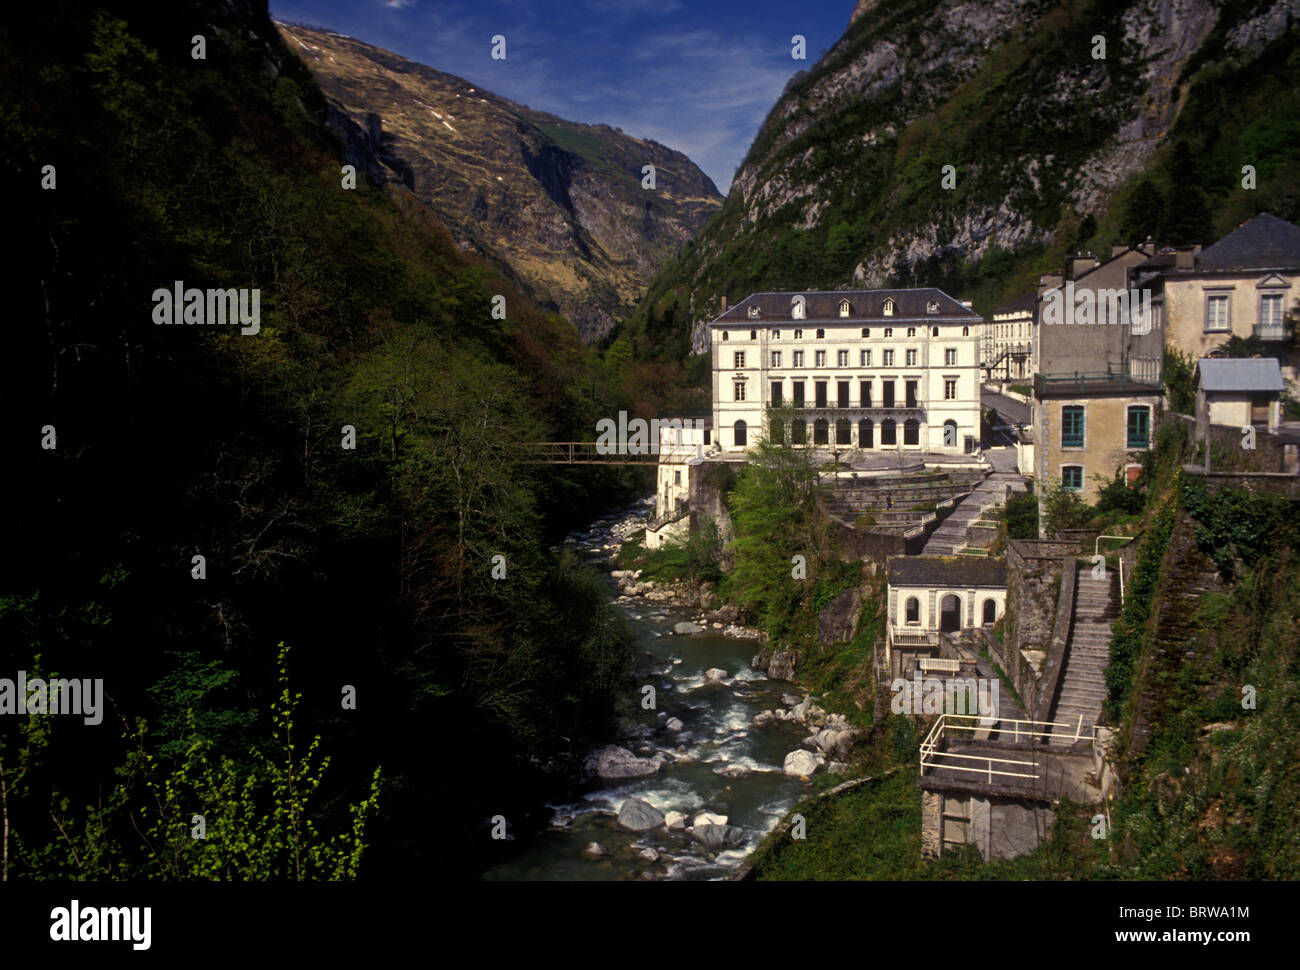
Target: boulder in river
649 855
686 627
782 665
715 675
764 718
790 700
709 818
674 724
594 850
718 837
802 763
612 761
638 816
733 771
674 821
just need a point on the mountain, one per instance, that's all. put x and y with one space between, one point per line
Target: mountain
560 202
1067 125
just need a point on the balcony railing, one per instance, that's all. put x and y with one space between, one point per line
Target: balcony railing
1270 331
828 409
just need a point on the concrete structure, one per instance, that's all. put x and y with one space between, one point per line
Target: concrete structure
681 453
1238 393
1242 286
1007 347
1097 391
876 370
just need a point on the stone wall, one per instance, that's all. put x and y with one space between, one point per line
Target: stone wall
1034 571
1270 453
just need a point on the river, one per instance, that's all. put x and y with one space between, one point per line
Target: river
718 717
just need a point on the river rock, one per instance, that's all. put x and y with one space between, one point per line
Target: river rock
686 628
649 855
733 771
782 665
790 700
594 850
801 763
674 724
674 821
837 767
764 718
715 675
638 816
718 837
709 818
613 761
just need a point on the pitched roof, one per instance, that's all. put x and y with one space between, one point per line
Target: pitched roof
824 305
1020 304
1239 374
1265 242
958 571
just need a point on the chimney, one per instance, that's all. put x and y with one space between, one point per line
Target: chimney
1082 264
1184 259
1116 250
1148 246
723 300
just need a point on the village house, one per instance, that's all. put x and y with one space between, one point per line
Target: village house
1097 389
1242 286
1238 393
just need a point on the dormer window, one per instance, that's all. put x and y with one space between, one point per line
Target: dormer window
753 312
844 308
932 307
911 331
889 331
796 308
821 334
888 308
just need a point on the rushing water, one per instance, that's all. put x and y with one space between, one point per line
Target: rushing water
718 717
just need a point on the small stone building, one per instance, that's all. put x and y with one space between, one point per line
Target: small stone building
1238 393
929 595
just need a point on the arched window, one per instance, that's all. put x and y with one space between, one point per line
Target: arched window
866 332
821 432
844 432
911 432
798 432
913 610
776 334
742 434
990 611
866 433
911 331
844 308
798 335
888 308
725 335
889 331
776 431
753 335
888 432
821 334
934 332
950 613
965 331
950 433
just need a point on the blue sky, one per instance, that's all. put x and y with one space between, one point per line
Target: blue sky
696 76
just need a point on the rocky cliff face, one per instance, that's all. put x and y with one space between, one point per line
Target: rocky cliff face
1044 128
560 202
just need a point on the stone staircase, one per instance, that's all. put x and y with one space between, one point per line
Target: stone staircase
1083 681
952 532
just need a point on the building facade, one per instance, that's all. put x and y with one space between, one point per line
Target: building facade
681 453
1097 390
1008 342
875 370
1242 286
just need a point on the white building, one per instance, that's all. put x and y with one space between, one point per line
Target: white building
1008 340
929 595
681 452
867 369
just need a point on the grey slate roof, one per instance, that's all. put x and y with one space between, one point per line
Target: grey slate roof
824 305
1239 374
1020 304
956 571
1265 242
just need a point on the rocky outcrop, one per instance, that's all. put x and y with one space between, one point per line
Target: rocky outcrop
612 762
636 815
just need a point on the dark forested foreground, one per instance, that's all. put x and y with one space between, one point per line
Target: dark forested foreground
345 594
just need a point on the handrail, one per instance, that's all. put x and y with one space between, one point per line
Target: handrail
1096 546
1121 581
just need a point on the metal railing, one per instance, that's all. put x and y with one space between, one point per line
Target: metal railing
1016 730
1096 546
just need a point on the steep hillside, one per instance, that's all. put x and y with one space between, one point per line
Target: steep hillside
561 202
1053 148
